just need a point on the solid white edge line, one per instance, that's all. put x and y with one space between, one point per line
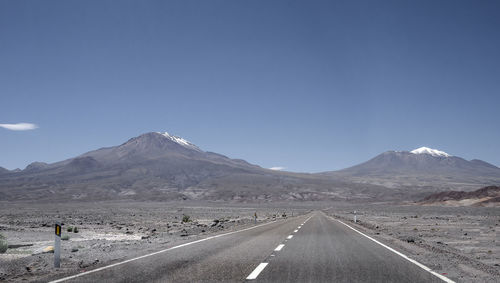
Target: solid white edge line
446 279
289 237
155 253
257 271
279 247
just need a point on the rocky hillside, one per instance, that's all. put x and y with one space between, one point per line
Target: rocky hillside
487 196
419 169
160 166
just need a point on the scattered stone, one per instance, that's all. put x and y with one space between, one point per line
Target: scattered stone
74 250
15 246
145 237
410 239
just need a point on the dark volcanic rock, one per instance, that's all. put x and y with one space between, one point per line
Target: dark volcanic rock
490 194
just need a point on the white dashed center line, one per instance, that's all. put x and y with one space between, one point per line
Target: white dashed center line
263 265
257 271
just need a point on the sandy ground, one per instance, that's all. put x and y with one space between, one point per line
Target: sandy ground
110 232
460 242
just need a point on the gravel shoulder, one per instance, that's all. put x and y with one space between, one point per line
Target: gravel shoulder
459 242
110 232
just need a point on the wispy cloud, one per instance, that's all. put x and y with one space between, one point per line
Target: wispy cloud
19 126
278 168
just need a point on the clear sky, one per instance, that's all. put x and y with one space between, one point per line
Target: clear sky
306 85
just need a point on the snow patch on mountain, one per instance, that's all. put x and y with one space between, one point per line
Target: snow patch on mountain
278 168
433 152
180 141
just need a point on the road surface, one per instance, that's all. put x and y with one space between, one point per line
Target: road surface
311 248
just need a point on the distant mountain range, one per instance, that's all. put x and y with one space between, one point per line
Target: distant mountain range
160 166
422 162
422 168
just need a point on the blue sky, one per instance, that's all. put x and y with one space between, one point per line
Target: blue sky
307 85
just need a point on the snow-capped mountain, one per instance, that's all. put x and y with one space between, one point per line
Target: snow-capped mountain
159 147
433 152
423 162
161 166
179 140
157 166
148 163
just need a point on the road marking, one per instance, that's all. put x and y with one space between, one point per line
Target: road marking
155 253
295 231
279 247
289 237
257 271
446 279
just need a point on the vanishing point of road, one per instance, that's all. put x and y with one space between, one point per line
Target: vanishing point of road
310 248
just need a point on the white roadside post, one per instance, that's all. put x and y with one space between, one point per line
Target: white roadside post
57 246
355 216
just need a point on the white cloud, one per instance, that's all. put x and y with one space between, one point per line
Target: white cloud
19 126
278 168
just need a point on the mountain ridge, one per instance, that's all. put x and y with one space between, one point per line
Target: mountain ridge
161 166
487 196
392 162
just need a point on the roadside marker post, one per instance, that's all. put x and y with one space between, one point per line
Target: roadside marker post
355 216
57 246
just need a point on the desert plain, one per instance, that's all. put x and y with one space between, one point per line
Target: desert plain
460 242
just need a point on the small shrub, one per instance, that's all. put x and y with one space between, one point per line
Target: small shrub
186 218
65 237
75 230
69 229
3 244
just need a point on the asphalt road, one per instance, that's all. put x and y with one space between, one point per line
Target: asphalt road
321 250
